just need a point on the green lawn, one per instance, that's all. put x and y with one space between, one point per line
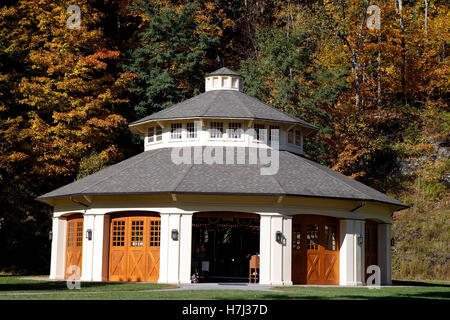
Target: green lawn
14 288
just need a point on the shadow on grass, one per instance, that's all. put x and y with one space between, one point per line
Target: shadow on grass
419 283
51 286
432 295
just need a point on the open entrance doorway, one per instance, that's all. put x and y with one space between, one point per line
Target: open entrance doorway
222 245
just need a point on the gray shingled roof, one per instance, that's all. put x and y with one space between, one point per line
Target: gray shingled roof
224 104
154 172
224 72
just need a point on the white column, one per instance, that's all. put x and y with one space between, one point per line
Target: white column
173 268
164 248
100 251
384 252
88 249
58 253
264 250
287 251
185 248
351 253
175 255
276 258
360 273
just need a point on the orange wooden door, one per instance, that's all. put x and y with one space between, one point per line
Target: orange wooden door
134 248
370 245
118 250
74 245
315 251
152 254
330 251
298 252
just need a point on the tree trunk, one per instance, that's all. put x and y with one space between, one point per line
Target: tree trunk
355 59
403 45
426 18
357 94
379 75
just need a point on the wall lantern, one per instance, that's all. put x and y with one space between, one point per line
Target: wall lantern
278 237
50 235
360 239
174 234
392 242
89 234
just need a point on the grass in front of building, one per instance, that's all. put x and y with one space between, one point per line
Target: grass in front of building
23 285
17 288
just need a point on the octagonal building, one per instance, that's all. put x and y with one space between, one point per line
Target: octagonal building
222 182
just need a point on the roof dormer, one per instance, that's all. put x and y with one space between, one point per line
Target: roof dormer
224 79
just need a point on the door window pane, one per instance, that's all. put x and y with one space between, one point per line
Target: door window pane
71 235
296 236
312 237
118 235
79 234
137 233
155 233
330 237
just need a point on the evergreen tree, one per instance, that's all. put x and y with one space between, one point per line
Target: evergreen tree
286 75
169 64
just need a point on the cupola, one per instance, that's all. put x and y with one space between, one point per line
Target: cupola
224 79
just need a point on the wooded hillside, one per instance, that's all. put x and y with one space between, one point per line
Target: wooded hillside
379 96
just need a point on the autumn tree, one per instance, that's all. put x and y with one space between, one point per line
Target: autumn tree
57 105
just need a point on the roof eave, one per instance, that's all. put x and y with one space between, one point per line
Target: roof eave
135 126
48 199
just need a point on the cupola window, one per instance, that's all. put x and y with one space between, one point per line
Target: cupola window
158 135
151 134
259 131
215 82
224 82
191 129
154 134
291 136
275 135
234 130
234 83
223 79
216 130
298 137
176 131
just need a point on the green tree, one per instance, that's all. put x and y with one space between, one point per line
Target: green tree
170 61
286 75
